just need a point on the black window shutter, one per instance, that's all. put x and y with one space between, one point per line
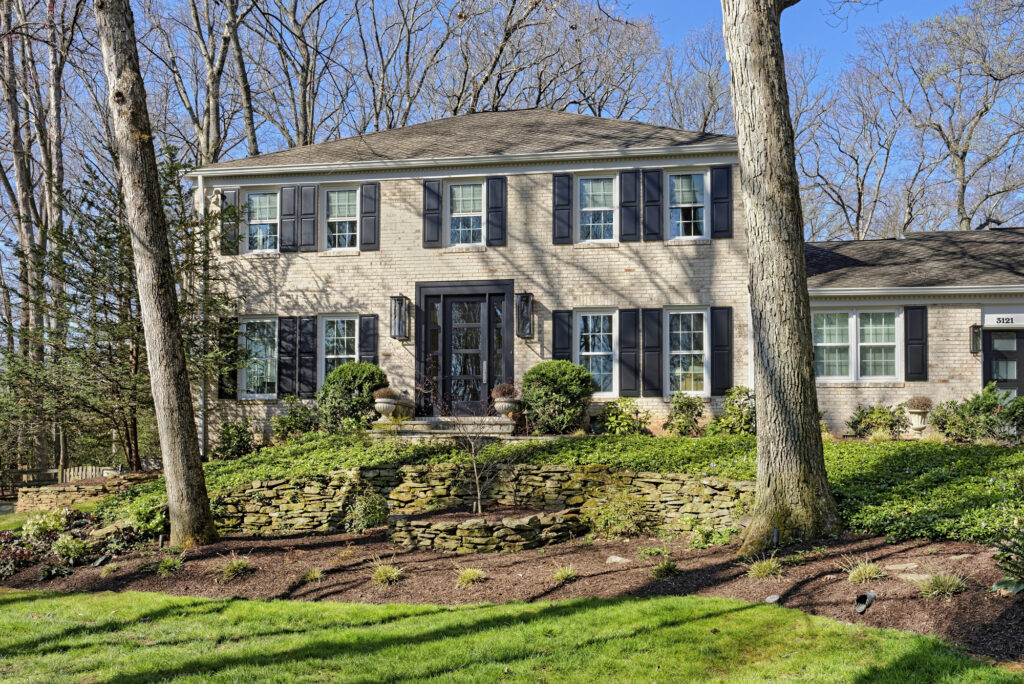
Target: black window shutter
652 205
721 349
916 339
432 207
369 217
561 335
287 354
229 241
561 209
368 338
307 218
721 202
307 357
497 210
227 384
652 375
629 352
629 206
287 238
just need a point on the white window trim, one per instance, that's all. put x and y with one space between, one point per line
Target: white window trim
323 220
321 333
667 194
576 314
446 203
667 353
244 370
244 205
853 321
578 207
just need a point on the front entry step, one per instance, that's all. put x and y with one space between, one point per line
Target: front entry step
493 427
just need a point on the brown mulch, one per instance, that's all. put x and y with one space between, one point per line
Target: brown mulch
982 622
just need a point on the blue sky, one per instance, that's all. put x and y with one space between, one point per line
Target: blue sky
804 25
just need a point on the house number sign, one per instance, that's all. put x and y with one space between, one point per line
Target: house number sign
1003 317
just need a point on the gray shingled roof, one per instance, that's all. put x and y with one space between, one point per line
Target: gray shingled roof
525 131
984 257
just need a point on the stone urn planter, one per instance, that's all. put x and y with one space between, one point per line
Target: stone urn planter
505 401
918 409
393 405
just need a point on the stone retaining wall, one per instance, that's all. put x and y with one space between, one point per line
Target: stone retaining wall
51 497
319 504
480 535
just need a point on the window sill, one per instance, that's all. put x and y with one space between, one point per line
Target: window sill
593 244
685 241
861 384
258 399
462 249
338 253
262 255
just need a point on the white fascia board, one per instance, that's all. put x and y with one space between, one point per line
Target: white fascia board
495 159
937 290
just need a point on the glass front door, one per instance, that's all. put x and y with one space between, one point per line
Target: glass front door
1002 351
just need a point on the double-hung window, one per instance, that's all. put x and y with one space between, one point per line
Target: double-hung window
855 345
687 367
686 205
338 342
465 214
342 219
261 212
596 347
597 209
258 377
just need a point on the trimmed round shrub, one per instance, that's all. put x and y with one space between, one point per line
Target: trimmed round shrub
235 440
684 416
556 395
347 395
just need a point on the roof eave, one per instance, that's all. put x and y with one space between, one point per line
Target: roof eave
916 290
390 165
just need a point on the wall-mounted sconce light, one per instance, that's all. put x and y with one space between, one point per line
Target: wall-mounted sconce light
975 339
400 317
524 314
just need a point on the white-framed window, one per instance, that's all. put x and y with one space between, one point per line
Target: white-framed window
686 336
596 216
257 379
686 205
597 348
856 345
464 202
341 210
338 343
261 213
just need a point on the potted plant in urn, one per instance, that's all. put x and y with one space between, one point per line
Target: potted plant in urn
505 401
392 404
918 408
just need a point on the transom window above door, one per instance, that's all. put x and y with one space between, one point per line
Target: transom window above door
262 218
856 345
596 348
342 219
686 205
597 209
465 214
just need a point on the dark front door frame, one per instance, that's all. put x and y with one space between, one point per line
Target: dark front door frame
990 355
462 288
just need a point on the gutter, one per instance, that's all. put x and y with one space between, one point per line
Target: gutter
499 159
922 290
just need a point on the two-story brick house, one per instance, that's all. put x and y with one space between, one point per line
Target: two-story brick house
458 253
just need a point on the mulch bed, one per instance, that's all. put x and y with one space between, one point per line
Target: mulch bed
984 623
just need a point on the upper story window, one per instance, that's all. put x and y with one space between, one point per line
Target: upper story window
852 345
338 343
258 378
597 209
261 213
596 347
686 205
686 352
465 214
342 219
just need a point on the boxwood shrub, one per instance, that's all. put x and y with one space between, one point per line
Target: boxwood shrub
556 396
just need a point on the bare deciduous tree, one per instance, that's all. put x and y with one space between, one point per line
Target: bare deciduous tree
696 83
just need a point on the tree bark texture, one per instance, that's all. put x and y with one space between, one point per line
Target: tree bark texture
188 503
793 498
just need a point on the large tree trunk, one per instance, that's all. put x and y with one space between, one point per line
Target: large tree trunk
793 499
188 504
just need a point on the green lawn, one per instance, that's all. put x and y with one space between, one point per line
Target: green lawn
138 637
